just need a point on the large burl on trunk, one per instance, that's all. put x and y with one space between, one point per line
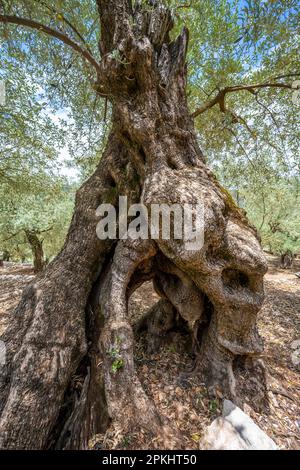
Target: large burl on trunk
70 369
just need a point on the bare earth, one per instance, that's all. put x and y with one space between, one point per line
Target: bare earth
270 397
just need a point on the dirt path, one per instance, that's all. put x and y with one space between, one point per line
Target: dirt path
272 400
13 279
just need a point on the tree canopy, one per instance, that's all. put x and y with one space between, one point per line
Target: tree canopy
243 69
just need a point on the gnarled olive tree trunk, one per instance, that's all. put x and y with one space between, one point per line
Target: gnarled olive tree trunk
70 368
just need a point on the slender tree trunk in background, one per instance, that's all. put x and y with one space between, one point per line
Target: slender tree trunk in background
36 246
70 369
5 256
287 260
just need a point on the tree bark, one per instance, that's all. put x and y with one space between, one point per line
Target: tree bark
70 368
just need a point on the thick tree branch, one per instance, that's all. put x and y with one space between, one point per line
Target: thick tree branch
51 32
220 97
68 23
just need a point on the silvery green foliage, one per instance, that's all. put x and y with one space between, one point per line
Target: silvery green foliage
250 145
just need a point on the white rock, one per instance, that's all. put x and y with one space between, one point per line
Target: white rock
295 344
296 357
221 435
235 431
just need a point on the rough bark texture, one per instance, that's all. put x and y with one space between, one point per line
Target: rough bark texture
70 366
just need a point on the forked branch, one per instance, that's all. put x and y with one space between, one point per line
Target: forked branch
220 97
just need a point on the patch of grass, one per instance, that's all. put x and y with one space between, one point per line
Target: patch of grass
117 365
172 348
213 406
196 437
116 356
126 441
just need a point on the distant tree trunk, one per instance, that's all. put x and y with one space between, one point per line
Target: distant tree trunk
6 255
286 260
36 246
70 369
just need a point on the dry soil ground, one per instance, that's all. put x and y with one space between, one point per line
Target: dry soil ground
271 398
